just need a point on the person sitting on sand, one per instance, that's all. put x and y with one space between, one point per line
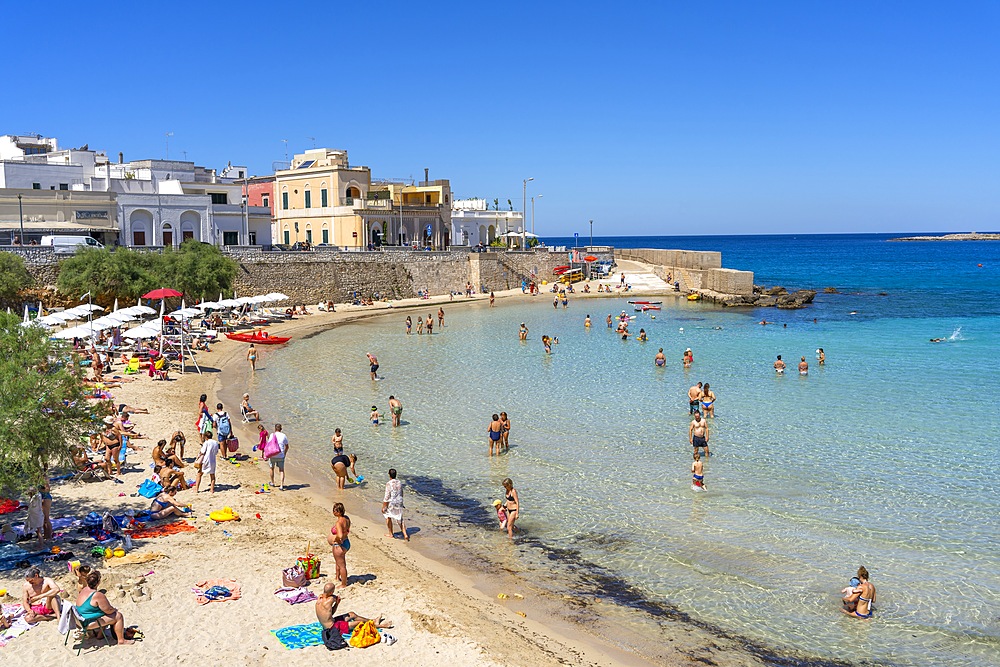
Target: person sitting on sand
164 505
168 465
326 607
177 442
39 597
93 606
341 463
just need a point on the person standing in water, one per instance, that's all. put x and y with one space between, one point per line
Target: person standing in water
373 365
441 317
586 322
522 333
395 409
492 299
688 358
252 358
409 325
511 505
694 398
803 367
660 359
707 402
821 356
698 433
505 436
495 433
698 473
609 322
779 366
430 324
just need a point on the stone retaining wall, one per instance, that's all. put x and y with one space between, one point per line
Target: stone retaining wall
695 270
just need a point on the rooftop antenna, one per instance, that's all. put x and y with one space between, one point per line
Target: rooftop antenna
285 141
185 154
168 135
313 140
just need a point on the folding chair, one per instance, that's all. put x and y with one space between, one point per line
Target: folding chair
84 627
133 366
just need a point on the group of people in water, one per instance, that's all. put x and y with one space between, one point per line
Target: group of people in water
429 322
779 364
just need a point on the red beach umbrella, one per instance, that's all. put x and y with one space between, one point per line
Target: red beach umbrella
590 258
162 293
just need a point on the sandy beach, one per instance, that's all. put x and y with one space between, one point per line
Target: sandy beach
440 614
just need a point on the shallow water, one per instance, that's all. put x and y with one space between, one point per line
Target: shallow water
884 457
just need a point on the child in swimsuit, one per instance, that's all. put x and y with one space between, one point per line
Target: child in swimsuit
375 416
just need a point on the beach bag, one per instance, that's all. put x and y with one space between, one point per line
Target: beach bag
225 426
271 448
333 640
233 444
294 577
149 489
309 563
365 635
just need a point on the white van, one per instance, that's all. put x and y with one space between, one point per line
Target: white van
69 244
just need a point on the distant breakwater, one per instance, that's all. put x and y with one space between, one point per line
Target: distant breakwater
971 236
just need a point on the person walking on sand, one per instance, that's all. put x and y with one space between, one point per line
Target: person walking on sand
511 505
698 474
252 358
278 460
395 409
495 432
803 367
206 462
373 365
698 433
441 317
340 542
622 283
392 505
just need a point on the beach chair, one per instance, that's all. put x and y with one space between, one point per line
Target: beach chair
133 366
78 624
160 369
92 470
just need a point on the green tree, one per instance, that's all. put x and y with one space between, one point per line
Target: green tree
123 274
43 409
13 277
197 269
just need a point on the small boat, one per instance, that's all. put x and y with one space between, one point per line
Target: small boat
559 270
646 303
645 308
694 297
263 340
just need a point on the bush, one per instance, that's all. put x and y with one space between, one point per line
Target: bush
43 410
13 277
196 269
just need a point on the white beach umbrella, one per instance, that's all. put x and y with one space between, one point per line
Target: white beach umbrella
81 331
185 312
229 303
88 308
276 296
102 323
141 310
35 323
115 307
205 305
141 332
26 318
245 299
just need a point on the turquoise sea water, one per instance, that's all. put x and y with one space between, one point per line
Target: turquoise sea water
886 456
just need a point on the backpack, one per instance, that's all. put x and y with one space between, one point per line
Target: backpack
333 640
225 427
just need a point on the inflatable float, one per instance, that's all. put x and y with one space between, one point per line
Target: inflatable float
225 514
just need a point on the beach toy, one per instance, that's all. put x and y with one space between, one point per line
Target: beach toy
518 596
56 550
225 514
259 516
521 614
361 478
108 553
502 596
3 592
73 565
118 553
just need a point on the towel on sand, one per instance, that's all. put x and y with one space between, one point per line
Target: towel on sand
295 595
133 559
300 636
18 625
200 588
165 529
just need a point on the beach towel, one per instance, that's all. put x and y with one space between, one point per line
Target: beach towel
13 557
7 505
295 595
300 636
179 526
18 625
134 559
203 587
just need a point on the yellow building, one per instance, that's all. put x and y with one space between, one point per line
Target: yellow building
317 199
321 199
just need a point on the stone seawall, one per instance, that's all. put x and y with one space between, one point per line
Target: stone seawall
696 271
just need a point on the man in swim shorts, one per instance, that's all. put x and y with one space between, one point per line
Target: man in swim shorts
396 409
326 608
779 366
698 433
803 367
374 364
40 597
694 395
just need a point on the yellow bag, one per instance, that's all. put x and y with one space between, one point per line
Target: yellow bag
365 635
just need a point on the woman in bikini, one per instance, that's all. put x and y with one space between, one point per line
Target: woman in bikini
340 542
863 596
340 464
409 325
495 432
204 420
505 433
707 399
163 505
252 358
511 505
420 325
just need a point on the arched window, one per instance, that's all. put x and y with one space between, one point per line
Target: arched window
324 198
190 226
141 224
284 198
308 196
168 235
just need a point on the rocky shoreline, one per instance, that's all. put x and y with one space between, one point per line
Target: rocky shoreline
971 236
767 297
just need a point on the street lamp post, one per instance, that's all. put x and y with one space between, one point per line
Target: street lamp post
533 214
524 205
591 236
20 217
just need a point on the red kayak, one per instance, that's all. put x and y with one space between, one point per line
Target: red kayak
263 340
646 303
645 308
559 270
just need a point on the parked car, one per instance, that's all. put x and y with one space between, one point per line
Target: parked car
69 244
280 247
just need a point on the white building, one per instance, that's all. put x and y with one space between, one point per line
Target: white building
473 222
156 202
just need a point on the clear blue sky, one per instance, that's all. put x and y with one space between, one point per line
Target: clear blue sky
670 118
